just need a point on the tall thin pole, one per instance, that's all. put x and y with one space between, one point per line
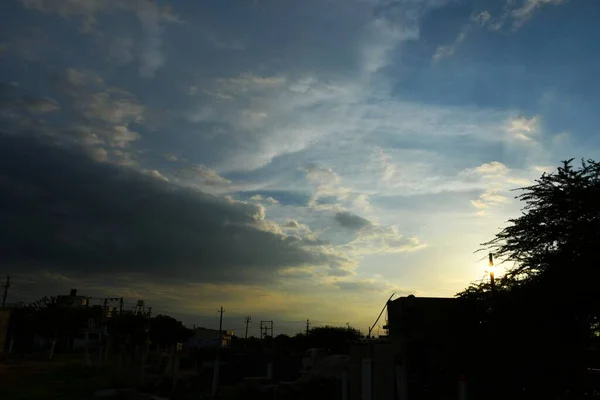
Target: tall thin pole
221 327
6 286
492 280
307 326
248 319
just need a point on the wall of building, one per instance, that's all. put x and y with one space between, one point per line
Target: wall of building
372 371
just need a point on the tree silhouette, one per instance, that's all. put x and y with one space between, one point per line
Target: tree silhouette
334 338
544 311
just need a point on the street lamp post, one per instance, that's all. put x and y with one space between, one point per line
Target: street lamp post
492 280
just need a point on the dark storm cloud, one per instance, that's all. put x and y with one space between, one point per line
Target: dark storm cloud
351 221
62 211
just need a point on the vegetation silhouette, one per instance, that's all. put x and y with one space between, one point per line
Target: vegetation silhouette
539 323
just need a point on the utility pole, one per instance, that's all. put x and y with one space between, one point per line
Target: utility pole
6 286
492 280
307 326
221 327
217 362
248 319
121 306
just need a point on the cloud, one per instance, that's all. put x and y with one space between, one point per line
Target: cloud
351 221
36 105
447 51
522 14
361 286
362 202
541 169
489 199
200 175
481 18
86 9
112 106
151 56
443 52
327 185
105 115
491 168
31 105
72 81
292 224
523 128
387 165
243 84
100 219
264 199
149 13
518 15
381 239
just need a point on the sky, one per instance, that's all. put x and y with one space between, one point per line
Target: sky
287 160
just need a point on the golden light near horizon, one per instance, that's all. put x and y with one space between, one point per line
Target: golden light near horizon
491 268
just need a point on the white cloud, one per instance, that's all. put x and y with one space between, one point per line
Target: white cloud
524 128
387 165
489 199
264 199
381 239
156 174
491 170
517 15
522 14
362 202
443 52
481 18
447 51
203 177
326 184
544 169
